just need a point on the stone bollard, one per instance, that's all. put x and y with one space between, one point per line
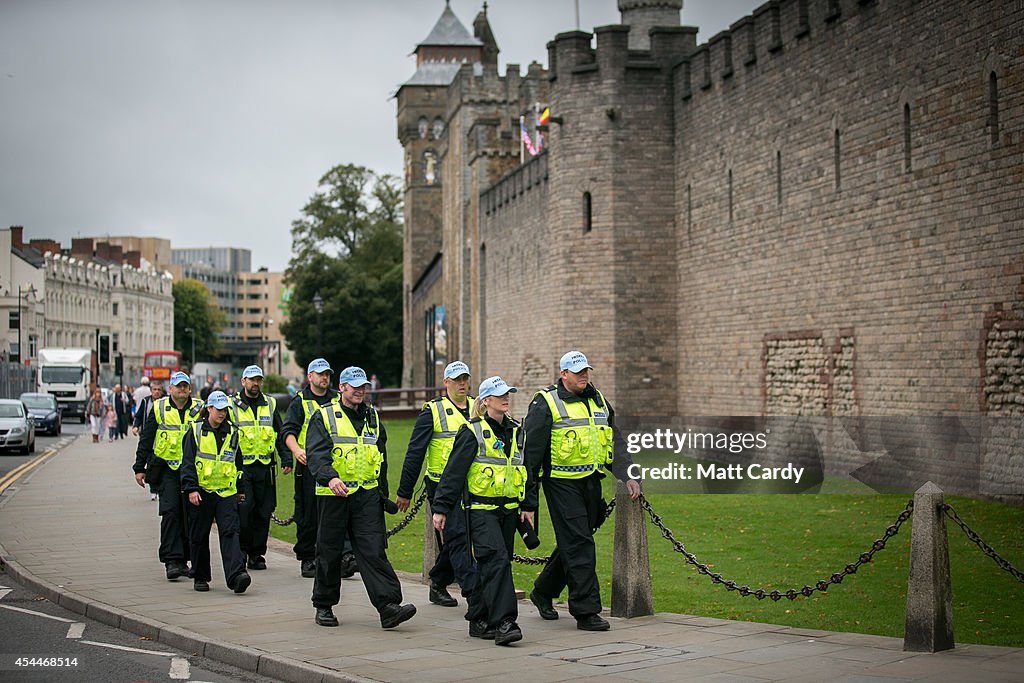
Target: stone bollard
631 565
430 547
929 620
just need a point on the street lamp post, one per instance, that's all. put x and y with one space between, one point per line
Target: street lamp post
21 320
318 304
192 358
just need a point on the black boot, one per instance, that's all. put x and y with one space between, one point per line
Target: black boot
325 617
439 595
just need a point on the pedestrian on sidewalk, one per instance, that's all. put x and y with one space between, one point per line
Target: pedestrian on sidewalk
431 441
487 461
143 412
111 423
157 461
316 394
210 468
259 424
570 430
346 450
97 412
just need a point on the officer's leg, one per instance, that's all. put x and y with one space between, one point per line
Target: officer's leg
568 509
327 582
200 519
227 530
442 573
245 508
456 551
367 533
494 573
305 514
552 579
172 547
266 501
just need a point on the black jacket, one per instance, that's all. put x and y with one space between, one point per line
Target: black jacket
295 416
537 441
318 447
453 480
250 404
189 476
416 452
147 437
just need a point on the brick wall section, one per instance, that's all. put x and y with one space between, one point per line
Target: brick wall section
911 261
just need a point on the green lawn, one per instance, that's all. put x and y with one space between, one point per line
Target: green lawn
780 542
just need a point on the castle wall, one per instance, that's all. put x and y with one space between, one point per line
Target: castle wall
862 281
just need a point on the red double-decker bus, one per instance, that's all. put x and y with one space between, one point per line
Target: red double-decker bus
160 365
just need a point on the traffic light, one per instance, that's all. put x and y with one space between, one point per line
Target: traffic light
104 348
119 364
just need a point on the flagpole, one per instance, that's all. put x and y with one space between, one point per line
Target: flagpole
577 15
522 143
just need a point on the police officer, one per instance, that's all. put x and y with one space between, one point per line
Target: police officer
487 461
255 416
569 441
317 393
346 450
157 460
432 439
209 476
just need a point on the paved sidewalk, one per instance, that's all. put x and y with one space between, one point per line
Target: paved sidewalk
79 531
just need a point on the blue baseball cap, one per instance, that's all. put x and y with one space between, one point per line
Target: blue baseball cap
574 361
494 386
356 377
318 365
252 371
217 399
456 369
178 378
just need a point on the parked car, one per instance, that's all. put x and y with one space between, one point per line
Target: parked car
17 428
46 411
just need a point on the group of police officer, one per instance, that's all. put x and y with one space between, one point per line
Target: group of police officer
482 477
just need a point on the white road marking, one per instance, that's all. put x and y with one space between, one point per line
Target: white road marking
38 614
180 669
4 590
76 630
130 649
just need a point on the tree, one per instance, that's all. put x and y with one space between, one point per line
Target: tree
347 247
194 308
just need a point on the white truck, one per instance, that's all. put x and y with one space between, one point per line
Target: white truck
67 374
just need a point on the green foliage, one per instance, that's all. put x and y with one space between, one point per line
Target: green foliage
195 308
275 384
348 248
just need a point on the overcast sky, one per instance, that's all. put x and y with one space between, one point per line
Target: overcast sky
209 122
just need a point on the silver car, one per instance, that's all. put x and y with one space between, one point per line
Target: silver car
17 428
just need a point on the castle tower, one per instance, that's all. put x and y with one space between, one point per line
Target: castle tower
643 15
422 131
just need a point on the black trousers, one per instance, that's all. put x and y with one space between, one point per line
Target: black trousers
173 538
360 515
575 507
493 532
200 520
454 561
306 514
257 485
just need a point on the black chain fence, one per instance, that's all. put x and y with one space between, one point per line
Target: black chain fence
759 593
792 593
973 536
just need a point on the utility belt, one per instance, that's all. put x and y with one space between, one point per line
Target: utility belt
501 501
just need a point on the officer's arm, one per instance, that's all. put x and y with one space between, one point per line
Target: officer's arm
422 432
292 424
144 451
536 449
382 446
453 479
318 451
189 476
282 450
621 460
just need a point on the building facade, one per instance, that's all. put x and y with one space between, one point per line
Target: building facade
816 212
